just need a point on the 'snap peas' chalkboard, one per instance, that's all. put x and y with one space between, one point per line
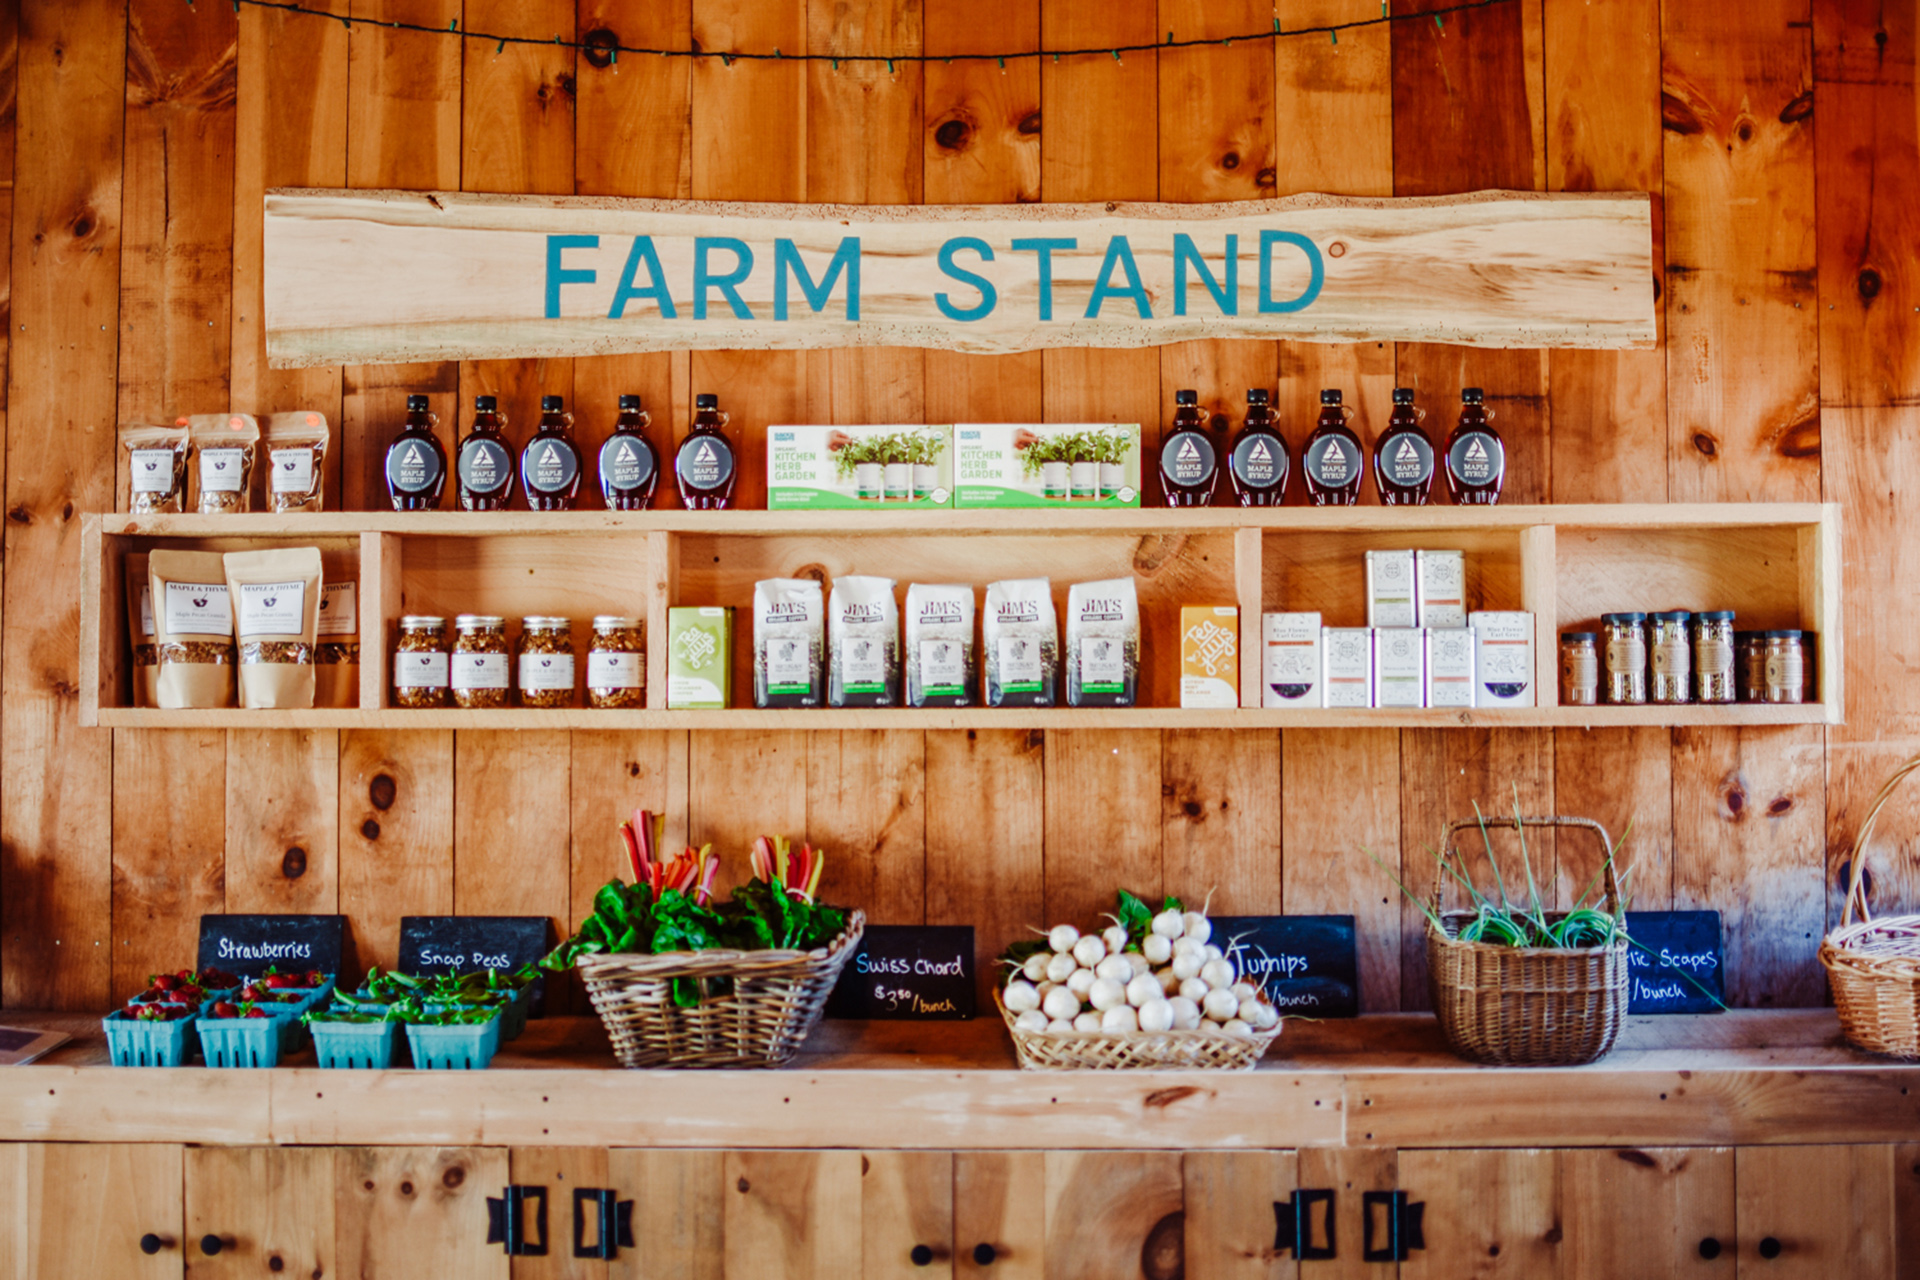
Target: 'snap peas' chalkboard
908 973
249 945
1674 964
1309 965
469 944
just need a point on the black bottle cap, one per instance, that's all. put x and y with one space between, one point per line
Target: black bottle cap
629 402
1258 395
1672 615
552 404
1403 395
1577 636
416 404
1186 397
1330 396
1611 618
706 402
1783 635
485 404
1715 615
1472 395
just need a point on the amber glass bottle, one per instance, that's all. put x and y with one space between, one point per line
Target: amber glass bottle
1476 458
550 464
1259 460
1333 462
416 461
1189 458
705 465
1403 455
486 460
629 467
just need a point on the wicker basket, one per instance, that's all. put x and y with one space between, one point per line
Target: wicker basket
774 1001
1526 1006
1874 965
1135 1050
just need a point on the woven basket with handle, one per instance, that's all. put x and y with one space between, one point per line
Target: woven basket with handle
1526 1006
755 1008
1874 965
1135 1050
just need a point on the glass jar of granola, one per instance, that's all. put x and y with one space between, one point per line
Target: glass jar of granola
546 662
480 676
617 663
420 662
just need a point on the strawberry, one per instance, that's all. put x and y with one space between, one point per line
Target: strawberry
225 1009
218 978
315 978
164 981
162 1012
254 1013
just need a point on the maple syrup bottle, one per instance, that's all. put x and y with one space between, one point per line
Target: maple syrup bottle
1476 458
485 460
416 461
705 464
629 468
1333 462
1259 460
1189 461
1403 455
550 464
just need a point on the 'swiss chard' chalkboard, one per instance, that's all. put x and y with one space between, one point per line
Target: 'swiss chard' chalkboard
1309 965
908 973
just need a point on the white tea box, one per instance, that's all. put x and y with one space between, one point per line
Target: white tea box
1449 667
1290 661
1502 659
1390 593
1440 588
1399 666
1347 671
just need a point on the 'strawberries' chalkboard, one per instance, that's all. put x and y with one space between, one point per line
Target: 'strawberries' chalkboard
1674 964
908 973
1309 965
469 944
250 945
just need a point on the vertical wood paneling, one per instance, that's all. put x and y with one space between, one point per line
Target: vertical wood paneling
396 834
1113 1213
1102 822
723 812
272 1207
866 807
678 1211
793 1214
561 1170
1622 779
1846 1230
169 837
418 1211
1499 1208
56 819
1000 1199
1229 1198
986 792
73 1189
283 820
1645 1213
1346 812
511 811
1220 819
906 1203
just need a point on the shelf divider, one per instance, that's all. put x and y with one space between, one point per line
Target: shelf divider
662 585
1538 552
1247 570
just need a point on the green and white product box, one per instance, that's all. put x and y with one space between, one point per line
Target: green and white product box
846 468
1055 464
699 658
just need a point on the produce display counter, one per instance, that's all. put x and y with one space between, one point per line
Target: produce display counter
1739 1078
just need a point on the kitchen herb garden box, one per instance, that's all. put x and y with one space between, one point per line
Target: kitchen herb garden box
851 468
1087 464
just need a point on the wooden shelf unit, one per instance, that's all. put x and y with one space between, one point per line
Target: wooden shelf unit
1776 565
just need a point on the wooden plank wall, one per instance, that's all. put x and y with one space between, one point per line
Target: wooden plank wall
142 132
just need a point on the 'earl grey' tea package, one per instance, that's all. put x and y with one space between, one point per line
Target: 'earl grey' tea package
864 669
1103 644
1022 643
789 643
940 646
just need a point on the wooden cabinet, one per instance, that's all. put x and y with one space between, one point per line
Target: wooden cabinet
254 1210
1807 1213
405 1211
91 1209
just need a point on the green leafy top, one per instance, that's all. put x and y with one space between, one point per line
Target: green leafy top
758 917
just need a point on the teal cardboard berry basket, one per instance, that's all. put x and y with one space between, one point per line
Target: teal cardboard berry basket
241 1042
466 1046
133 1043
361 1046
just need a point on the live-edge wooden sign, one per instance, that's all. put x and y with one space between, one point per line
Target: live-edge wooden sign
378 277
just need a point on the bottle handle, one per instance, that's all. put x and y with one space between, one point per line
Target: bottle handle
645 419
1419 414
1346 412
724 416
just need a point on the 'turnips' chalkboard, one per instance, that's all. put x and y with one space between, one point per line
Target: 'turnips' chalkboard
249 945
1309 965
469 944
908 973
1674 964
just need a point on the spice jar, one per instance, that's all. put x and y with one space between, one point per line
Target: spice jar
1750 665
1579 669
1713 655
617 663
546 662
1672 657
1785 667
480 661
1626 635
420 662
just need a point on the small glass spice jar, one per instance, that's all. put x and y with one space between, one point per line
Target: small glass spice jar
1579 669
1626 636
546 662
1713 655
617 664
420 662
1672 655
480 674
1785 667
1750 665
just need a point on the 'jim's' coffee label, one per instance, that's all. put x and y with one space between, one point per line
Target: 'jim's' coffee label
626 463
412 467
1258 464
705 462
1187 458
1476 458
485 465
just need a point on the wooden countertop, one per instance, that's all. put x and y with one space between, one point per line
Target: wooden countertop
1388 1080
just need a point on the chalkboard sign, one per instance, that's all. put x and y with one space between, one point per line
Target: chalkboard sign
1310 965
1675 963
469 944
908 973
248 945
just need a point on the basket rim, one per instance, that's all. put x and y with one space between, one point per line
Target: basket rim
1620 942
1262 1038
718 956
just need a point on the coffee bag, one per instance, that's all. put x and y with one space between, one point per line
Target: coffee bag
1022 643
789 643
864 666
939 653
1103 644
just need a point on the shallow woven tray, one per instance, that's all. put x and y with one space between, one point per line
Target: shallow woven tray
776 998
1526 1006
1873 965
1135 1050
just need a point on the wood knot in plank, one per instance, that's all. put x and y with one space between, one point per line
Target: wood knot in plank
1678 116
598 47
953 133
453 1177
1706 444
381 791
293 864
1639 1158
1230 161
1162 1098
1868 283
1164 1255
1030 124
1801 108
1779 806
370 830
1802 438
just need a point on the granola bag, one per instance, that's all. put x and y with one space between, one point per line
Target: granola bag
146 656
336 657
276 608
192 629
296 461
156 468
223 453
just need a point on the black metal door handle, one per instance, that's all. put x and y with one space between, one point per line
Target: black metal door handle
615 1217
211 1244
921 1256
1769 1248
984 1254
1293 1224
505 1224
1403 1228
151 1244
1709 1248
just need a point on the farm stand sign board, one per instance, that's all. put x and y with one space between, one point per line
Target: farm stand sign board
372 277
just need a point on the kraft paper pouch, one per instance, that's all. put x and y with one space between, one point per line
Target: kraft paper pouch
192 628
276 607
336 655
146 657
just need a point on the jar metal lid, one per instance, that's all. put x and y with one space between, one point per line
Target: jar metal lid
473 621
1784 635
1715 615
540 622
1672 615
1577 637
1610 618
613 622
422 622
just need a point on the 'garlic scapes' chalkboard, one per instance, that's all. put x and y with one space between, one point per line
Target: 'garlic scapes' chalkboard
249 945
907 972
1674 964
1309 965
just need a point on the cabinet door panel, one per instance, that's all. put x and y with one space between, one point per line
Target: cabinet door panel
271 1207
792 1214
1490 1214
560 1170
906 1203
1350 1172
86 1206
1828 1211
1114 1215
678 1211
1000 1201
418 1211
1230 1218
1650 1213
